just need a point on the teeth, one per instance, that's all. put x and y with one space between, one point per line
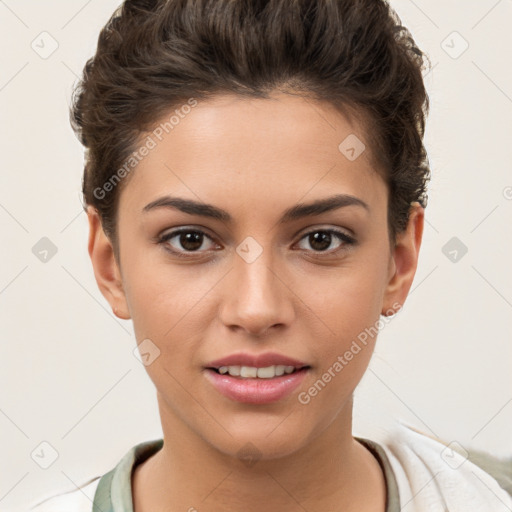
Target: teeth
248 371
266 373
251 372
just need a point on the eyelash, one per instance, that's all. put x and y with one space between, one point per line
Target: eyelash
343 237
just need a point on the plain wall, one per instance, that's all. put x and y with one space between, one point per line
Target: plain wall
68 375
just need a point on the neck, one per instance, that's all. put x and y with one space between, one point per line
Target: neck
330 471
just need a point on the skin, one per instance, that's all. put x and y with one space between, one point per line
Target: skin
255 158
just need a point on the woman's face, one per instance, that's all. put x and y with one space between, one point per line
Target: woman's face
252 280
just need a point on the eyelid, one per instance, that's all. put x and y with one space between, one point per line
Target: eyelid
335 229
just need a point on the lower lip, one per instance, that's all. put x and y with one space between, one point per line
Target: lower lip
255 391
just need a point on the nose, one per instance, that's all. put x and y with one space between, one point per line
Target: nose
258 299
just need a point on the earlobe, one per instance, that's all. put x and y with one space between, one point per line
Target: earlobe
106 270
404 261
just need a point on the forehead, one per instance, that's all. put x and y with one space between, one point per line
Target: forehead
234 148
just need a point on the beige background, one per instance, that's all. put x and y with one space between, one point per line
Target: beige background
68 375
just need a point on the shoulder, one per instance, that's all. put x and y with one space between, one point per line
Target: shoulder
431 470
499 467
115 482
74 500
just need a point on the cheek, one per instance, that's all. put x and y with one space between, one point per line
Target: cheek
347 347
349 298
161 295
350 313
349 305
167 308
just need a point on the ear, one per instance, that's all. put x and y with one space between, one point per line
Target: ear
106 269
404 260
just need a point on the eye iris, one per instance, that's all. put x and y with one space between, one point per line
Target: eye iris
320 236
191 240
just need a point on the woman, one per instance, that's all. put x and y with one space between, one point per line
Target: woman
255 184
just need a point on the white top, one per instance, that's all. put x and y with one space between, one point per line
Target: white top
76 500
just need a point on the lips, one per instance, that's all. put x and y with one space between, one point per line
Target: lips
256 379
263 366
257 361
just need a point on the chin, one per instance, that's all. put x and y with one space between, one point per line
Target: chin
249 452
261 440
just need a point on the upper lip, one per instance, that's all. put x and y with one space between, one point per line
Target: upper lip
257 360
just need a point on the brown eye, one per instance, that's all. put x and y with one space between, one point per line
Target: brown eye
191 241
321 239
184 240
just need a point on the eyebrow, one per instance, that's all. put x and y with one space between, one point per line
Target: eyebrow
295 212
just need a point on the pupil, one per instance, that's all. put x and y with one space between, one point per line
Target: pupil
191 241
321 237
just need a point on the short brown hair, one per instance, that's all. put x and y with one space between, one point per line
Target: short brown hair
154 55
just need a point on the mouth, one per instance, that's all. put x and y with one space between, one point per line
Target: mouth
253 372
256 379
